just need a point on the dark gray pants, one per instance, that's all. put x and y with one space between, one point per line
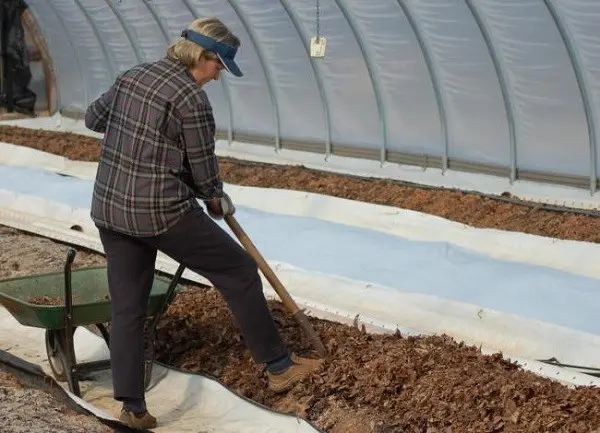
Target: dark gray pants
203 247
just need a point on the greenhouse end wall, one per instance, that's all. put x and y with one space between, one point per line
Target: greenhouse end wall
507 88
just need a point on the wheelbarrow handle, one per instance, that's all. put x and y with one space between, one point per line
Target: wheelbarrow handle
286 299
69 327
68 284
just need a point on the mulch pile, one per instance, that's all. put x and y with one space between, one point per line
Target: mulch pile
376 383
467 208
371 383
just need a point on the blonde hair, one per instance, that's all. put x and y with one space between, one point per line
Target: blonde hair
189 53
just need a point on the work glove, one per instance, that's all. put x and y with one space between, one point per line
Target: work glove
218 207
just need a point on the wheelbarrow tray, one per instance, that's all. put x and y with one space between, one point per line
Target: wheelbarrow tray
91 303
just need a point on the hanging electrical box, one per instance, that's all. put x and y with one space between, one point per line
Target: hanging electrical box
318 44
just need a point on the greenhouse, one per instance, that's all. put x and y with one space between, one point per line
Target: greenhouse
416 181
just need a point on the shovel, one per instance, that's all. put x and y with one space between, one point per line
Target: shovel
286 299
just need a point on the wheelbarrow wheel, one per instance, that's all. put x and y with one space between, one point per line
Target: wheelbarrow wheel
56 355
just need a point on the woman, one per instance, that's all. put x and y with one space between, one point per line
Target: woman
157 159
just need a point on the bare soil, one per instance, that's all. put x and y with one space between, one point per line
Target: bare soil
468 208
24 409
370 384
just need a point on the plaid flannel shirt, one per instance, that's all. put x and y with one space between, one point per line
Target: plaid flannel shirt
157 152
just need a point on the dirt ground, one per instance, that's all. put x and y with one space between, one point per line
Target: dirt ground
20 256
24 409
371 384
467 208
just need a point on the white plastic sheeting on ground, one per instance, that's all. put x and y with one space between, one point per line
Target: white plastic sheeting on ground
183 403
544 193
572 256
439 269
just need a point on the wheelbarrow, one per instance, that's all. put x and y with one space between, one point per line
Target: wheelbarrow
60 304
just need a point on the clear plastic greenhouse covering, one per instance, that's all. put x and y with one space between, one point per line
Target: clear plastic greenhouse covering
508 88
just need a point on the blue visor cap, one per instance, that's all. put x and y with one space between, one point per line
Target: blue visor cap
225 53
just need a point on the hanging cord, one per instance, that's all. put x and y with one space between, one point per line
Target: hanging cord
318 21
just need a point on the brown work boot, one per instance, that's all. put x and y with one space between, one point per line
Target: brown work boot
140 422
302 368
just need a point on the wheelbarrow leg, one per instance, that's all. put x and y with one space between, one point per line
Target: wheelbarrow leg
63 343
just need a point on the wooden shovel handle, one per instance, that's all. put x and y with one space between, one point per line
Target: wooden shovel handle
287 300
277 285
